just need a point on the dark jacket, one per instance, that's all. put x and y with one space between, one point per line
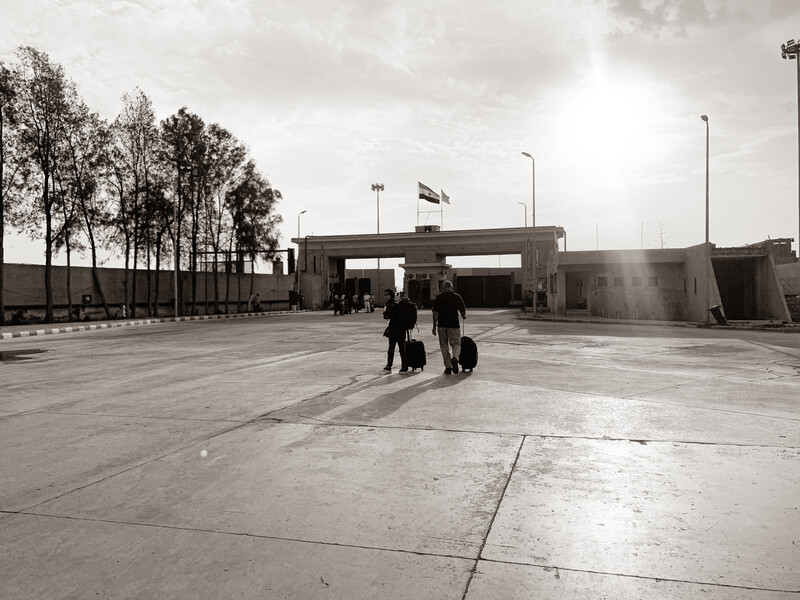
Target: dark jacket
402 315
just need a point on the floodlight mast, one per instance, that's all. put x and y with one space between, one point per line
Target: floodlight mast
378 188
791 50
705 118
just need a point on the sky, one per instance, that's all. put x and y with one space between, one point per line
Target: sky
334 95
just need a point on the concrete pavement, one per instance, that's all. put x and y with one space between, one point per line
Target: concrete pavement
577 461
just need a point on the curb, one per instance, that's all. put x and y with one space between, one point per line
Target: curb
97 326
767 326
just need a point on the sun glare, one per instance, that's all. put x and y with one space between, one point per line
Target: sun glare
607 129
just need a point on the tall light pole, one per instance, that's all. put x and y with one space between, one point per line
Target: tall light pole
378 188
525 212
791 50
705 118
705 268
533 226
297 262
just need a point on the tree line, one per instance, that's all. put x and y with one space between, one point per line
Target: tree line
176 192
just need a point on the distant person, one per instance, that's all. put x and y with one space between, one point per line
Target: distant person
446 308
336 304
257 303
356 302
367 303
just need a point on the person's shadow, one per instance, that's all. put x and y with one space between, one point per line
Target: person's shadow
389 403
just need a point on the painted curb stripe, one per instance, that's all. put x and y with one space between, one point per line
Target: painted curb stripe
94 327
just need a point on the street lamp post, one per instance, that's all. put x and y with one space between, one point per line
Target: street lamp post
791 50
533 226
707 273
378 188
297 262
705 118
525 212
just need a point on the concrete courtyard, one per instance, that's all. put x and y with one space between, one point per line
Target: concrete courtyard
579 460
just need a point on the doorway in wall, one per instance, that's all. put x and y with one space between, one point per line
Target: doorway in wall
736 281
419 292
577 290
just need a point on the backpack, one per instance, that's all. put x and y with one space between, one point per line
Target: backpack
408 315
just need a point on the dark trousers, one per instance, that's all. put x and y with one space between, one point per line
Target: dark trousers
399 338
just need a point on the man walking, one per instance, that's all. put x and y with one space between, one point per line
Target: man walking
446 307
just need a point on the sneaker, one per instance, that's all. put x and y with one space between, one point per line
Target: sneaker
448 371
455 365
387 368
404 370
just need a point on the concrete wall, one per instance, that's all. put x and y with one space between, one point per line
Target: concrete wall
659 294
789 276
701 285
773 299
24 289
685 288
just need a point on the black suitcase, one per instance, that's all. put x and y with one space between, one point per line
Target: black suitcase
415 354
468 358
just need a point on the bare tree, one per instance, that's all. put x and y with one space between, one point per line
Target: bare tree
82 165
661 236
252 204
41 89
134 155
227 160
13 168
183 153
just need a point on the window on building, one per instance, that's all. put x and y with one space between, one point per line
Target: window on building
602 281
636 281
617 281
695 286
652 281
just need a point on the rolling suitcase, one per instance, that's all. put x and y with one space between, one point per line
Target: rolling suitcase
415 353
468 359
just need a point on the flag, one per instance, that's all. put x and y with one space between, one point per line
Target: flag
445 197
426 193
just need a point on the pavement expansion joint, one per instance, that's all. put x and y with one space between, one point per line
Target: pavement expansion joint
126 416
361 425
494 516
645 442
641 577
31 513
137 465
